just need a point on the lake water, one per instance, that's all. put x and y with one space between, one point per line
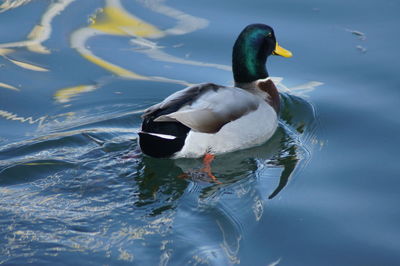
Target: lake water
75 77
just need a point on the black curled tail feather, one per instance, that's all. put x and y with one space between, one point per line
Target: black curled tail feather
157 146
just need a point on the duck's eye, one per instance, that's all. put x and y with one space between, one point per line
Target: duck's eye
269 35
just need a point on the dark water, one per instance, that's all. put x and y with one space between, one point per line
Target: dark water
75 77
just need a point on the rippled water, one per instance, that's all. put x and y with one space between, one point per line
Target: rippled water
75 77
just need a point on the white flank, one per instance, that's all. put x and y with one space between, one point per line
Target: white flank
250 130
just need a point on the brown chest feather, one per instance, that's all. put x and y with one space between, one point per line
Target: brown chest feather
269 87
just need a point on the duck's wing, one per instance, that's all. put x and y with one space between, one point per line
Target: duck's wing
178 99
205 107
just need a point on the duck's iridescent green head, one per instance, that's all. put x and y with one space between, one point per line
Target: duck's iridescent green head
254 44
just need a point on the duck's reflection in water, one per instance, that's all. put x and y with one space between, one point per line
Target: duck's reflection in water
280 152
217 214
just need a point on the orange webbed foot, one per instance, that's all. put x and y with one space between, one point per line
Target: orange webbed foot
207 160
204 173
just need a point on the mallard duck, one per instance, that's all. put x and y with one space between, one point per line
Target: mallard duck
208 119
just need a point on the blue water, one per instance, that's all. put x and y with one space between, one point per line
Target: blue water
75 189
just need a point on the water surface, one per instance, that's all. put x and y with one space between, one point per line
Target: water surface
75 76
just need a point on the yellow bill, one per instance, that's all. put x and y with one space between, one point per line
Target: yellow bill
282 51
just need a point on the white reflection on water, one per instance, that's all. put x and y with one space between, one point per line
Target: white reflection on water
186 23
14 117
8 86
11 4
26 65
153 51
